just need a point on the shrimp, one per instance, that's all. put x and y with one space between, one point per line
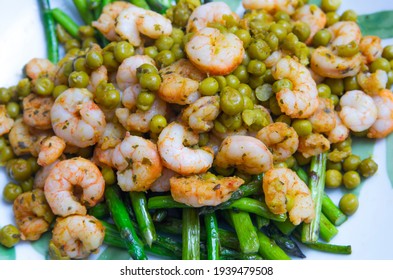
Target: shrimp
179 158
273 58
214 52
51 149
371 48
43 173
383 126
20 138
98 76
113 134
280 138
323 119
36 111
126 73
313 16
339 133
313 144
106 23
201 114
302 101
134 20
180 82
76 118
246 153
64 176
286 192
32 213
138 163
203 190
78 236
40 67
162 183
358 110
271 6
372 83
344 32
6 122
209 13
130 95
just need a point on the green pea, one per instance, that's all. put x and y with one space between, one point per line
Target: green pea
231 122
157 123
94 59
111 99
88 42
349 204
351 179
244 36
123 50
268 77
9 236
272 41
349 15
231 101
291 162
348 50
332 18
352 162
151 51
302 127
224 171
301 160
6 154
321 38
178 51
3 143
351 83
222 82
43 86
246 59
284 119
282 84
13 109
259 50
219 127
109 61
330 5
390 79
324 91
302 31
150 81
334 165
86 31
343 145
177 35
232 81
109 175
380 63
33 164
279 30
336 85
387 52
27 185
145 100
164 42
274 106
333 178
11 192
257 26
242 74
209 86
256 67
245 90
59 89
335 99
256 81
5 95
248 103
368 167
281 15
164 58
71 44
78 79
23 88
19 169
79 64
146 68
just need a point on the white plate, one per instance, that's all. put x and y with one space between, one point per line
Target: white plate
368 231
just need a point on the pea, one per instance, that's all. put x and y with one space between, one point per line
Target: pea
3 143
224 171
242 74
332 18
33 164
286 24
279 30
351 179
245 90
178 51
334 165
321 38
231 101
268 77
249 116
86 43
111 99
78 79
291 162
157 123
109 61
343 145
284 119
222 82
259 50
13 109
151 51
145 100
333 178
349 15
282 164
150 81
5 95
43 86
219 127
23 88
257 26
164 42
272 40
232 81
59 89
109 175
9 236
352 162
390 79
248 103
387 52
256 67
209 86
380 63
282 84
302 31
330 5
349 203
256 81
336 85
71 44
301 160
351 83
274 106
244 36
146 68
231 122
6 154
368 167
19 169
164 58
335 99
177 35
302 127
94 59
281 15
324 91
246 59
86 31
348 50
27 185
11 192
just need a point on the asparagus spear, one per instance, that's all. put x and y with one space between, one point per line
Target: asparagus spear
327 229
50 32
332 212
84 11
269 250
67 22
191 234
160 6
212 236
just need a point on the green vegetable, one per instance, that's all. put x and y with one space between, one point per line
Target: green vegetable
191 234
269 250
84 11
140 3
327 229
212 236
11 191
9 236
66 22
332 212
349 203
50 32
351 179
368 167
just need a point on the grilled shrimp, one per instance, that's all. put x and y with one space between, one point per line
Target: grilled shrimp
60 183
280 138
22 141
43 173
36 111
172 143
246 153
77 236
214 52
286 192
40 67
113 134
6 122
76 118
203 190
323 119
371 48
51 149
383 126
32 213
339 133
313 144
302 101
313 16
126 73
271 6
358 110
372 83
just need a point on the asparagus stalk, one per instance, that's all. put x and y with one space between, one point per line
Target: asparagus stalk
159 6
84 11
269 250
261 222
99 211
159 215
327 229
64 20
52 45
212 236
332 212
285 227
191 234
140 3
164 202
326 247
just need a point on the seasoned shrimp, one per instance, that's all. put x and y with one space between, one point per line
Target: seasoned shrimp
358 110
78 236
372 83
209 13
6 122
40 67
344 32
60 183
201 114
99 75
162 183
280 138
371 48
214 52
113 134
43 173
32 213
302 101
383 126
180 82
323 119
246 153
203 190
179 158
76 118
273 58
20 138
339 133
126 73
313 144
313 16
36 111
130 95
51 149
138 163
286 192
271 6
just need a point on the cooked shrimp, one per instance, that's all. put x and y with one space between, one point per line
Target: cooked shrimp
51 149
99 75
162 183
313 144
273 58
172 143
339 133
32 213
372 83
246 153
358 110
43 173
271 6
280 138
180 82
371 48
323 119
313 16
209 13
383 126
36 111
302 101
201 114
78 236
40 67
76 118
344 32
60 183
130 95
20 138
214 52
138 163
113 134
286 192
126 73
6 122
203 190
